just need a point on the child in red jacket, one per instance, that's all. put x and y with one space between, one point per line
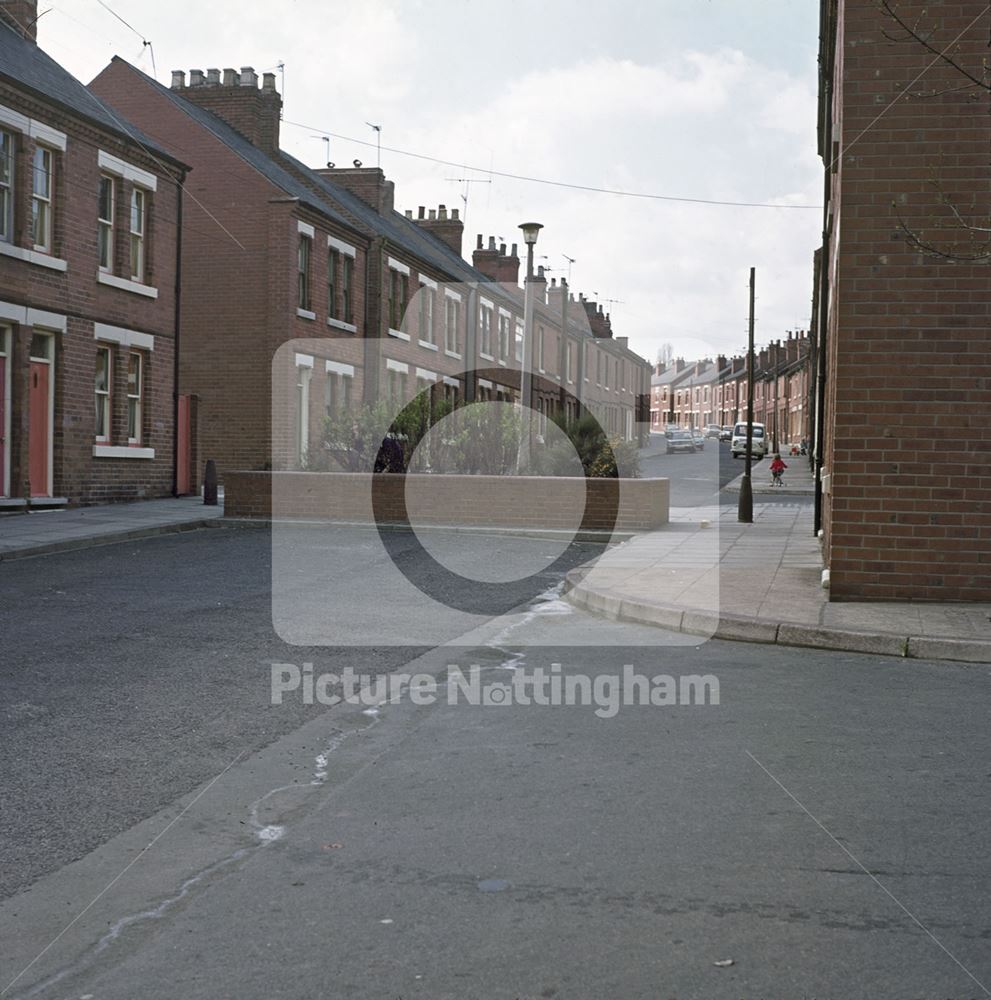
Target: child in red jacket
777 467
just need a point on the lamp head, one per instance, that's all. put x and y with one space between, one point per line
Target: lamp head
530 230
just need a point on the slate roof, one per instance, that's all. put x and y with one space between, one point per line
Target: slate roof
670 376
31 68
403 233
238 144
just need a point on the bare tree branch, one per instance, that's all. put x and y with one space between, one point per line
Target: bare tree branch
914 32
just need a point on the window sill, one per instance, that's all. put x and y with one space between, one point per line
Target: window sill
339 324
126 285
428 345
33 257
119 451
453 354
485 357
305 314
398 334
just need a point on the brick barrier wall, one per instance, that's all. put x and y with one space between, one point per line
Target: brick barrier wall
471 501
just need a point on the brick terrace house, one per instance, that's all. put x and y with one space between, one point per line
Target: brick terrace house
663 383
254 237
89 216
381 304
903 302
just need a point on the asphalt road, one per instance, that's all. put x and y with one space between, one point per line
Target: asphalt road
824 828
130 671
698 477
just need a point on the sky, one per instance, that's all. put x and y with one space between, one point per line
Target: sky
693 99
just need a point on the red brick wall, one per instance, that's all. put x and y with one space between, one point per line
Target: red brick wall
76 294
483 501
240 238
908 513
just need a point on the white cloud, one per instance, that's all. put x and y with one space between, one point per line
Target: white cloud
444 80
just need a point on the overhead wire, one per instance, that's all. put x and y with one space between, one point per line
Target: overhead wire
554 183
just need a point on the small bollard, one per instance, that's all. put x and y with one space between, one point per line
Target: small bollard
210 484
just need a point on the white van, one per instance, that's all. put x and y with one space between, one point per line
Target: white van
738 443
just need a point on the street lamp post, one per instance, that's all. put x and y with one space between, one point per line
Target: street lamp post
530 231
745 506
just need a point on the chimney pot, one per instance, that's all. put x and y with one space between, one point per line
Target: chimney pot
502 249
196 78
433 215
456 214
268 81
178 79
409 213
513 253
492 243
422 213
442 212
213 77
230 78
249 78
478 245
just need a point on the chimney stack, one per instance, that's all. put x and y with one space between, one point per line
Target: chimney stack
367 183
597 321
237 99
446 226
22 16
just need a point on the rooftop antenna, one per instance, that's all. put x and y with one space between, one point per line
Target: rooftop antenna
466 181
378 143
570 261
326 146
281 67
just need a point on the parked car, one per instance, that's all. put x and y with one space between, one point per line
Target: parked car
712 431
680 440
726 433
738 443
699 438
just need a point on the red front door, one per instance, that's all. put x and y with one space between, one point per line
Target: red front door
39 445
182 448
3 422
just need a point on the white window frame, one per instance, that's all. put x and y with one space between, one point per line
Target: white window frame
452 322
137 237
486 312
333 286
340 382
398 275
42 202
106 225
8 186
504 326
304 375
5 337
103 399
425 315
303 261
135 400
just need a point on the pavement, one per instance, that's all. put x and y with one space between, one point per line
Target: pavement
44 531
707 574
704 574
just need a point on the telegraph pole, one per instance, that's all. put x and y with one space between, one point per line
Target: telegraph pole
745 511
